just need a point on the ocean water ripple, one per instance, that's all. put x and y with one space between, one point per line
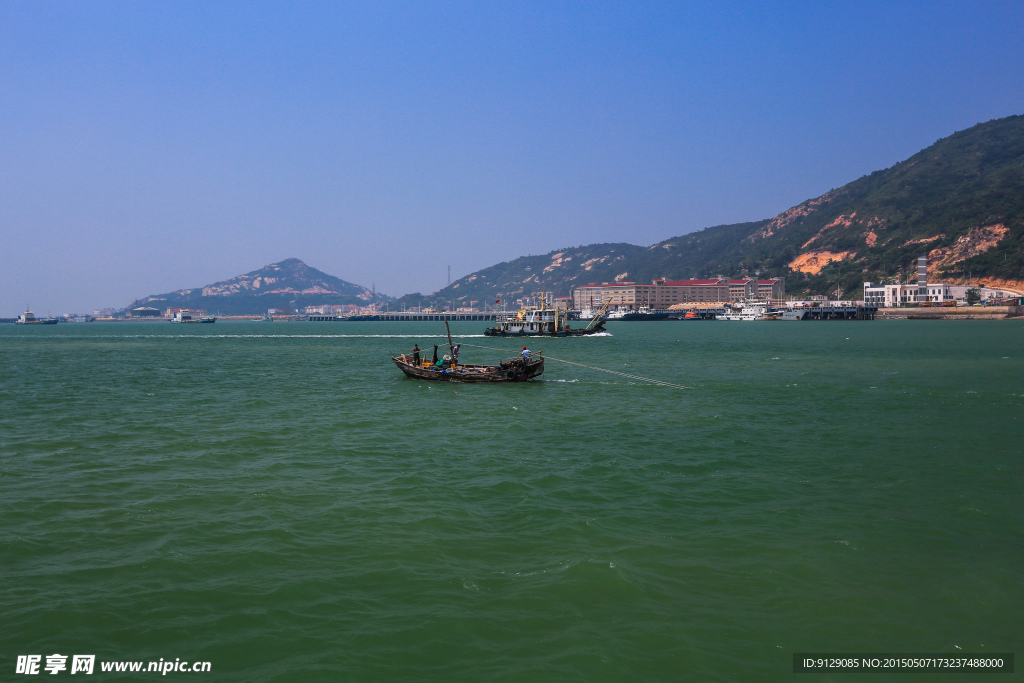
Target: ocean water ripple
287 506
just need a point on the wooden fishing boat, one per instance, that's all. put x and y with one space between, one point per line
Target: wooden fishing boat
518 369
513 370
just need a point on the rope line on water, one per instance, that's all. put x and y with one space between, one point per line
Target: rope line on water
592 367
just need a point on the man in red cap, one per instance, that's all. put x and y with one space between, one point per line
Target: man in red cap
526 353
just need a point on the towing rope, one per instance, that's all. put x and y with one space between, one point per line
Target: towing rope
592 367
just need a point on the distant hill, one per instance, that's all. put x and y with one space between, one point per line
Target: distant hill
961 201
283 285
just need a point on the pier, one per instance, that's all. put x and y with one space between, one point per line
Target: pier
839 312
810 313
408 317
824 312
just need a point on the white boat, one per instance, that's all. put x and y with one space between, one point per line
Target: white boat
747 312
29 318
187 316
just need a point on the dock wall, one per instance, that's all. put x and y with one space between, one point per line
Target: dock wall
961 313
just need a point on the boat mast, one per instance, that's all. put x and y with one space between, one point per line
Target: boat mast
451 347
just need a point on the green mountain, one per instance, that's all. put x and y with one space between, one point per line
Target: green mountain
288 284
961 201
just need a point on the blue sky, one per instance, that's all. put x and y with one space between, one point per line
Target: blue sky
152 146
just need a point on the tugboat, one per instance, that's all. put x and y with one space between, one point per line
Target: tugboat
543 322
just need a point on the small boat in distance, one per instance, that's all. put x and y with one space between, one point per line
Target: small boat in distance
185 315
29 318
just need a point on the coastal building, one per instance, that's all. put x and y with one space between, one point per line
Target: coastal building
771 288
938 293
984 293
907 294
887 296
891 296
663 293
924 292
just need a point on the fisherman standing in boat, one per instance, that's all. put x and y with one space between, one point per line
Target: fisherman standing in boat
455 355
526 354
416 354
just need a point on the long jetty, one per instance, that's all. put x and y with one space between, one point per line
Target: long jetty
810 313
394 317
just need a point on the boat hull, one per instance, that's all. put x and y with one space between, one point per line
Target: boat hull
633 317
498 332
484 374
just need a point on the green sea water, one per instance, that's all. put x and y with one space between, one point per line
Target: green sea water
277 499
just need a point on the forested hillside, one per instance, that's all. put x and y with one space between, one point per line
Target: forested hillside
961 201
